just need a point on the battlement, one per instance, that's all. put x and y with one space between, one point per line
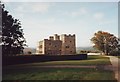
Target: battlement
69 35
56 37
51 38
46 39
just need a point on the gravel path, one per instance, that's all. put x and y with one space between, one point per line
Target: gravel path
48 66
115 66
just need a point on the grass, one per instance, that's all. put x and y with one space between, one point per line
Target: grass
34 72
60 74
118 56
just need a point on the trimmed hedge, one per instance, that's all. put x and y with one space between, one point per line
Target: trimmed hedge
11 60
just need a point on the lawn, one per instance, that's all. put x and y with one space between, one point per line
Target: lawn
118 56
34 72
59 74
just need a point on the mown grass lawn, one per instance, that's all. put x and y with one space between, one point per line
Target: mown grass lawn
34 72
59 74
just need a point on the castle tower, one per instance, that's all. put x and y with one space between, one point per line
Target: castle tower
68 44
41 48
56 37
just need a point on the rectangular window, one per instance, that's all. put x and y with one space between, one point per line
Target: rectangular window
40 52
67 46
40 46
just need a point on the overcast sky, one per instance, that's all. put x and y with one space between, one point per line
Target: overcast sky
41 19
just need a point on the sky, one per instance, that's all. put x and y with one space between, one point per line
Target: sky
40 20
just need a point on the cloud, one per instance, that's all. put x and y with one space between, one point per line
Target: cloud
50 20
81 11
40 7
101 19
21 10
98 16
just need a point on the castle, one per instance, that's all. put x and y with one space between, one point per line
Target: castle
57 45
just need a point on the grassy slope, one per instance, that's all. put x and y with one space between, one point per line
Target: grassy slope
61 73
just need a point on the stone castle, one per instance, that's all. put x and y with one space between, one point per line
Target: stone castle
57 45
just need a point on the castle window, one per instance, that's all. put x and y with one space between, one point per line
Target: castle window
55 46
40 52
70 51
49 48
67 46
70 41
40 46
49 43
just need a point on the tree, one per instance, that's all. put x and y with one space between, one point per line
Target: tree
105 42
13 41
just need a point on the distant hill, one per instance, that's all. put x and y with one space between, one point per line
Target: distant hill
91 49
26 50
85 48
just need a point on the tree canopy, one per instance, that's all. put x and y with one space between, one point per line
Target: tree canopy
105 42
13 40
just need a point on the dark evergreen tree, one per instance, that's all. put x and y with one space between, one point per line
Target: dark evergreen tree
13 41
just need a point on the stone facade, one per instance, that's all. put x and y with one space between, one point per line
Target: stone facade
58 45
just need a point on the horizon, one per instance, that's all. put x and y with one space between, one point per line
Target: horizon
76 47
40 20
